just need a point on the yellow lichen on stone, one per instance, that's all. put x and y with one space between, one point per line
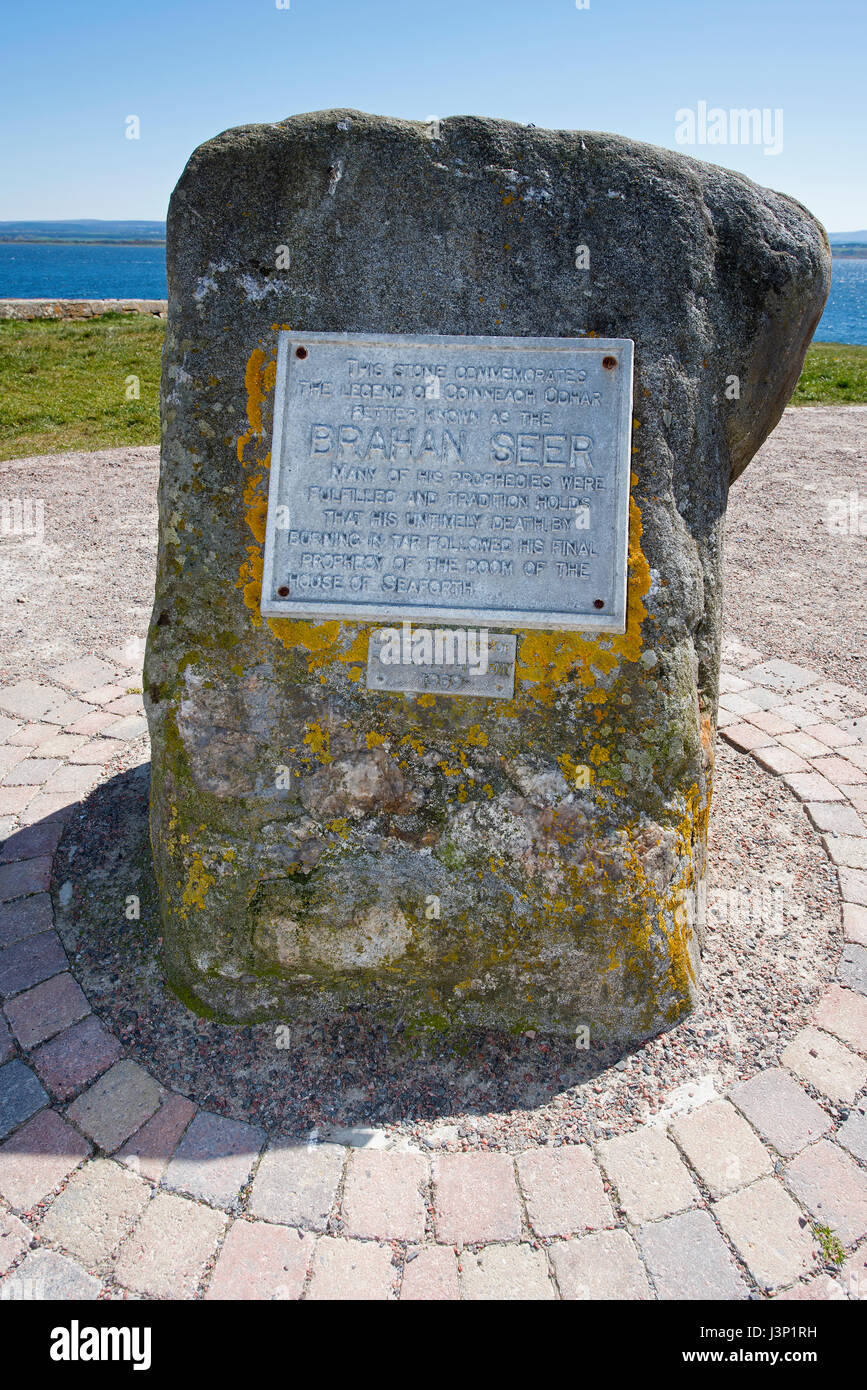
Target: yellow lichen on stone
197 885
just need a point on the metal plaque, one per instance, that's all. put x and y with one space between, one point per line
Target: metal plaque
480 481
454 663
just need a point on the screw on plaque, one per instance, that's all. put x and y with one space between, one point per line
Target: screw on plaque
609 363
599 603
283 591
301 352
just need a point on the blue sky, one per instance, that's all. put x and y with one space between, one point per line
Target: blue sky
190 68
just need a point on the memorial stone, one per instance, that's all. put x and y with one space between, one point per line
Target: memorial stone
450 414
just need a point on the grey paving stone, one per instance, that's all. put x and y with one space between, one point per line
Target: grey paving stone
852 969
780 1110
649 1174
28 962
214 1159
602 1265
21 1095
563 1190
506 1273
46 1009
117 1105
37 1158
721 1147
26 917
688 1259
825 1063
768 1231
357 1270
49 1277
296 1183
853 1134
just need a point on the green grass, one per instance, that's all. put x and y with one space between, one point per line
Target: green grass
63 385
834 374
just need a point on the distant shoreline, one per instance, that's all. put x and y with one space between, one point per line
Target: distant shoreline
79 241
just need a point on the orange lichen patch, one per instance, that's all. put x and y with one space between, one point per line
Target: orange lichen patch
197 885
426 701
256 503
374 739
317 740
476 736
259 378
546 658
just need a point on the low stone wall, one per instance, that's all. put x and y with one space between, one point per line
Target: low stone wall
79 308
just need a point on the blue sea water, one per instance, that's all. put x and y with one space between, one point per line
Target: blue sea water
845 316
35 270
30 270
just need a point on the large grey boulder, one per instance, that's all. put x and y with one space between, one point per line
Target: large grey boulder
438 858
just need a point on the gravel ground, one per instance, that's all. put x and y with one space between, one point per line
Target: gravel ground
792 590
772 945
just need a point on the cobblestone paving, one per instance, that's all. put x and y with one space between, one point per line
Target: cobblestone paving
111 1186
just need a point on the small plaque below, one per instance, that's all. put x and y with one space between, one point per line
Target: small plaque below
476 668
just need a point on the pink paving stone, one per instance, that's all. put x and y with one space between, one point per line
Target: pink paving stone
10 756
15 1238
33 735
61 746
27 699
127 704
771 722
65 711
746 737
214 1159
604 1265
834 1070
780 1110
351 1269
98 751
853 885
430 1275
564 1191
651 1178
822 1288
779 760
384 1195
14 799
839 771
167 1253
844 1013
96 723
25 917
130 727
25 876
151 1147
855 923
31 772
835 818
476 1199
832 736
809 786
803 744
44 1010
857 755
104 694
38 1158
8 727
259 1261
858 797
506 1273
30 961
57 807
30 843
78 780
833 1188
76 1056
83 674
768 1231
